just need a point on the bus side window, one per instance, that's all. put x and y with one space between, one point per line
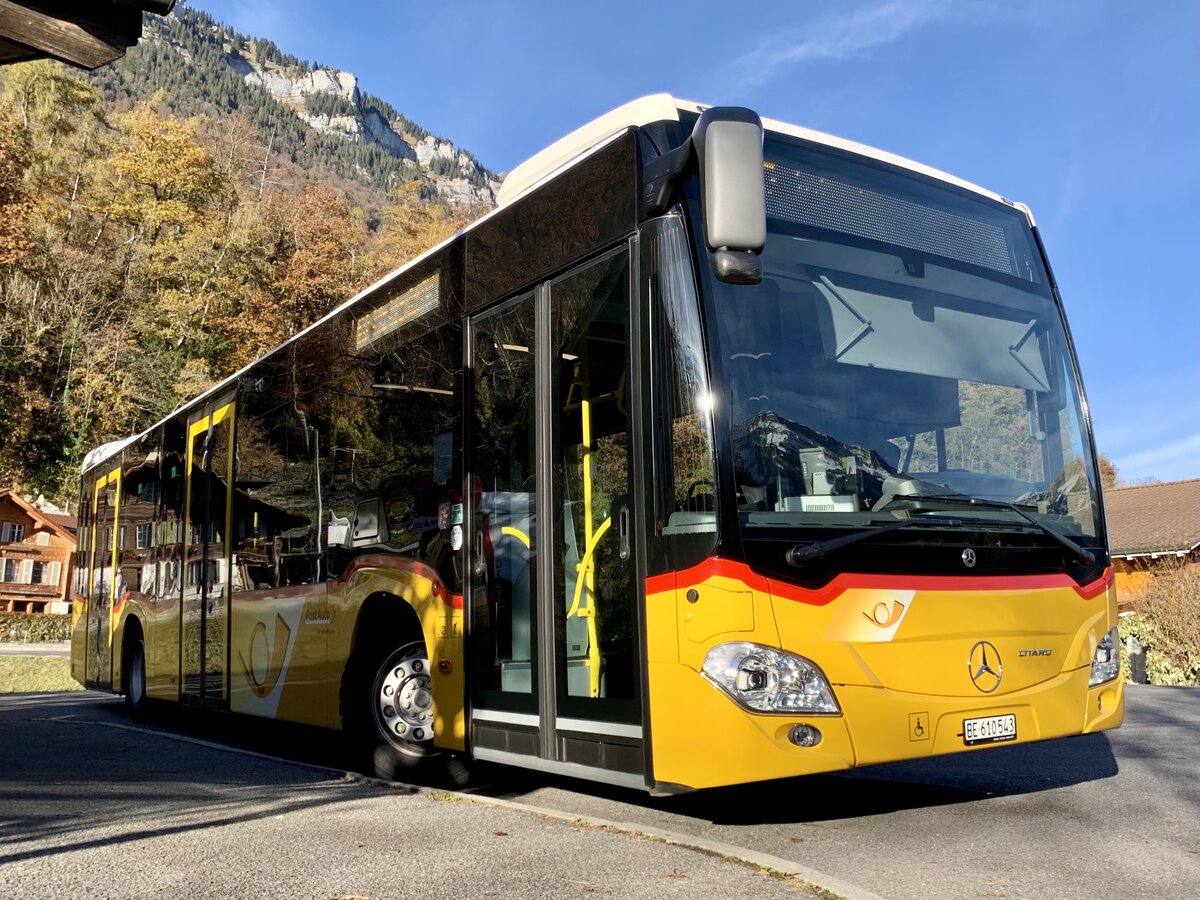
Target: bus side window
691 508
279 454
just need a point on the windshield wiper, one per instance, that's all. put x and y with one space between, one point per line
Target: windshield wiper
803 553
1082 554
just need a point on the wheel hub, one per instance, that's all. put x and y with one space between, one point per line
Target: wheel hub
404 703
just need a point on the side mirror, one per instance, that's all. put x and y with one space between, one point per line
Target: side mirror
728 141
370 525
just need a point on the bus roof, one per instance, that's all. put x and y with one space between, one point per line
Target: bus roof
664 108
104 451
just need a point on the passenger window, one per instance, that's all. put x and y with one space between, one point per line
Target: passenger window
688 414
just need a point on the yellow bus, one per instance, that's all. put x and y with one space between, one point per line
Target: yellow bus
721 450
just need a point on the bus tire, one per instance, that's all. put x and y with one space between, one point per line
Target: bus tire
387 706
134 670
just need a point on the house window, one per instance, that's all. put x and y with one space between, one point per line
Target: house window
12 569
194 570
37 573
144 533
11 532
43 539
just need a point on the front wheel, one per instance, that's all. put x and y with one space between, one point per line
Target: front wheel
387 707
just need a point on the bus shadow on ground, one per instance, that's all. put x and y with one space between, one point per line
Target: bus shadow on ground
875 790
915 784
100 779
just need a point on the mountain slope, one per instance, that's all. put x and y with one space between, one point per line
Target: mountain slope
310 114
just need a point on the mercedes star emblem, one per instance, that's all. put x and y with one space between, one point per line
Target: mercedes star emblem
983 664
968 558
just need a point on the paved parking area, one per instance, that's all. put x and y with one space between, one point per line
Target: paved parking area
92 805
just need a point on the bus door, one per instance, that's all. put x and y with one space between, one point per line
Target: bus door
554 594
104 589
204 640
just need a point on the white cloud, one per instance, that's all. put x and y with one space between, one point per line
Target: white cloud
833 38
1176 460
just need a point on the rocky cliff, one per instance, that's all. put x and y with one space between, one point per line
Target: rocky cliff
327 100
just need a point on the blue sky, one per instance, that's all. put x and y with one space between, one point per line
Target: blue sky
1087 111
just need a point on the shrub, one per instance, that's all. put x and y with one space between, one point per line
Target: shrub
1166 620
28 628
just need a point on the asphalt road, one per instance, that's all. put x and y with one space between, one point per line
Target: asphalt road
1116 814
93 805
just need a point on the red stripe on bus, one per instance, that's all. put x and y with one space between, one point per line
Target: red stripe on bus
405 564
740 572
279 593
1097 587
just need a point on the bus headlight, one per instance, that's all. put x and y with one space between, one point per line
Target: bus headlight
1106 661
764 679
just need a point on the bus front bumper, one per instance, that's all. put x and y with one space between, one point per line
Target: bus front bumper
702 738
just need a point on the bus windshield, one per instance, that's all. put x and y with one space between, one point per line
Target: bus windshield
904 345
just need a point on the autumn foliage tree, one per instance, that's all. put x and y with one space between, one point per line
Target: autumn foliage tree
14 203
318 256
144 256
1109 476
411 225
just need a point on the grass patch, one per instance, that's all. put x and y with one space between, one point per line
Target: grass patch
36 674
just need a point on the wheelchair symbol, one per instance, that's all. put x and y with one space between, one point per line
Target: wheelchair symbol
917 731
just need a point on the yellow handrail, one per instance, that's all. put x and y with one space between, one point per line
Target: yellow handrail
588 612
517 533
582 568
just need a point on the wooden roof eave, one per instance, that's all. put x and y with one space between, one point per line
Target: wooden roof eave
85 35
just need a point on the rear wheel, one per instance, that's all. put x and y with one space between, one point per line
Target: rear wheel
387 706
135 675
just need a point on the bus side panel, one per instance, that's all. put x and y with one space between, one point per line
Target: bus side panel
278 653
80 580
441 617
163 641
79 622
162 648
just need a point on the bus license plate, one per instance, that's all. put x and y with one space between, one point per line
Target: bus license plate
990 729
